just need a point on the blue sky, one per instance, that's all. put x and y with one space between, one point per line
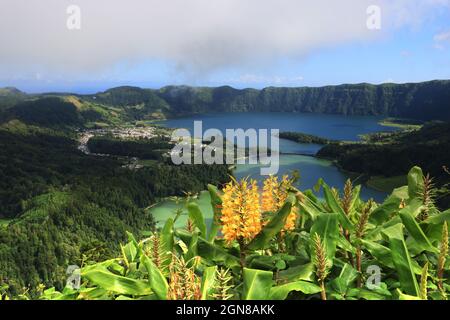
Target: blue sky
310 48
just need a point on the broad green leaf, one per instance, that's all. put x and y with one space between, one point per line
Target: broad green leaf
216 202
281 292
197 217
333 203
310 207
257 284
379 252
385 210
157 281
407 297
408 215
439 218
192 248
355 196
415 182
106 280
211 252
167 242
433 226
208 280
93 293
302 272
380 293
348 274
344 244
270 230
327 227
132 239
402 259
375 234
167 235
342 283
129 252
262 262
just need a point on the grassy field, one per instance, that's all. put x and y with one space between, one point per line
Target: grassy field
386 184
400 123
4 222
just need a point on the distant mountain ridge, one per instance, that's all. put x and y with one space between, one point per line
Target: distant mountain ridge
424 101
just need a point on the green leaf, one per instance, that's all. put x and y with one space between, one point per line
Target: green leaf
348 274
384 211
402 260
327 227
157 281
415 182
208 280
196 216
302 272
129 252
342 283
257 284
216 202
192 248
379 252
407 297
211 252
167 236
270 230
380 293
106 280
167 242
281 292
408 215
310 206
262 262
355 196
439 218
333 203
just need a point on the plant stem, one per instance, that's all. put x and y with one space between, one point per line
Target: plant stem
242 253
323 293
358 265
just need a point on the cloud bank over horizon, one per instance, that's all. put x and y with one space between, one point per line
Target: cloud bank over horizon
194 37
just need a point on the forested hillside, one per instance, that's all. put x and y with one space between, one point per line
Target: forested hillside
424 101
10 96
56 203
392 154
429 100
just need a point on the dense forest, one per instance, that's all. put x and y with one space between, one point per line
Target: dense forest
58 204
148 149
424 101
303 138
393 154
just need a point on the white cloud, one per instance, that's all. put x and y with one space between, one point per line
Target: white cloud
196 36
252 79
441 39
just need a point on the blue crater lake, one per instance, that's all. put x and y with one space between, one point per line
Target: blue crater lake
336 127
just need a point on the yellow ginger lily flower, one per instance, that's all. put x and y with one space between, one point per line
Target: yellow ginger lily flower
241 212
243 205
274 197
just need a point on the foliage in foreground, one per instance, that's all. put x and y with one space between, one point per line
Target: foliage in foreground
285 244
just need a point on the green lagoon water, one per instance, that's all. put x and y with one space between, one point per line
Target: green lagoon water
168 208
297 156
